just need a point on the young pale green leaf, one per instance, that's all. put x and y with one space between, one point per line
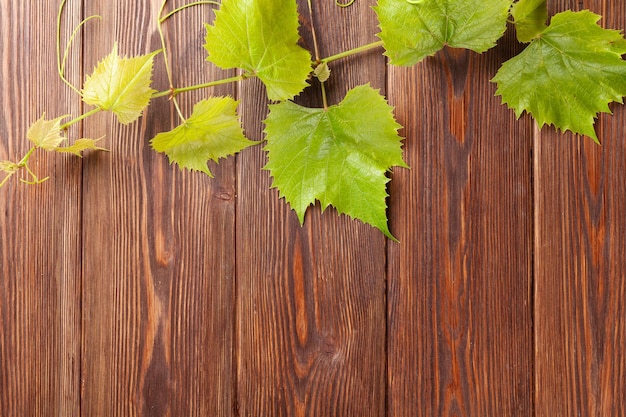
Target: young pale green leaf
213 131
9 167
322 72
81 145
261 37
121 85
568 74
530 18
337 156
46 134
412 30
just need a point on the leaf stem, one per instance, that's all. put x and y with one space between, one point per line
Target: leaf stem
315 46
197 3
167 62
172 92
81 117
351 52
317 54
6 179
26 157
324 99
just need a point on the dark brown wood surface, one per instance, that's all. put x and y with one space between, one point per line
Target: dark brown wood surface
580 261
311 299
40 226
460 296
130 288
158 258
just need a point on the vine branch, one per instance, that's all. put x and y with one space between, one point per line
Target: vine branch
350 52
81 117
167 61
174 91
317 55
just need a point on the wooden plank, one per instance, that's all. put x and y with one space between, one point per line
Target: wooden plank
310 300
40 224
158 243
580 253
459 300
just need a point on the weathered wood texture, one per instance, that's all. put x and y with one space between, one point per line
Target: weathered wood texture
310 300
130 288
40 226
158 258
460 301
580 261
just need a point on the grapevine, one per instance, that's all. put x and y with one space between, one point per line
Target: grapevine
340 155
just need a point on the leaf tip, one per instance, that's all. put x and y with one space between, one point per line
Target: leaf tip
391 237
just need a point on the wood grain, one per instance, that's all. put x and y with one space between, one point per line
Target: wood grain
459 299
310 300
130 288
580 247
40 238
158 246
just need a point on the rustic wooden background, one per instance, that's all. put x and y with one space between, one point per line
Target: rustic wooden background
129 288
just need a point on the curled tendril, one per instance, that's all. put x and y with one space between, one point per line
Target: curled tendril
414 1
348 4
61 62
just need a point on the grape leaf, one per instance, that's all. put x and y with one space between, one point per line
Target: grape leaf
121 85
322 72
213 131
413 30
46 134
530 18
79 146
9 167
568 74
338 156
261 37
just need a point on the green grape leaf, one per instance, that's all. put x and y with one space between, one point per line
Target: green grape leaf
46 134
567 75
260 36
530 18
121 85
338 156
414 29
322 72
9 167
213 131
81 145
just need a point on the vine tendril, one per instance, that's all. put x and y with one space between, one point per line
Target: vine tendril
61 62
197 3
348 4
